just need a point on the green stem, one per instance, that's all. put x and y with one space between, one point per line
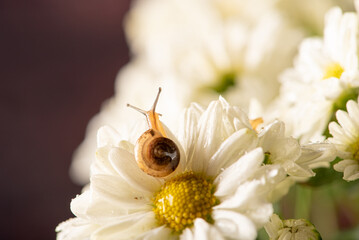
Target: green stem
303 199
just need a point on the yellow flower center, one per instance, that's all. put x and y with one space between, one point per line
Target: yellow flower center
354 149
333 70
183 199
224 82
340 104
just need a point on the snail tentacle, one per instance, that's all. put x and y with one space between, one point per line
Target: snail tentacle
155 154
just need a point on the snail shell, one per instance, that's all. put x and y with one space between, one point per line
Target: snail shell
155 154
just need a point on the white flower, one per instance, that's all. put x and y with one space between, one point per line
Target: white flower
296 159
346 138
232 48
296 229
238 62
218 191
325 75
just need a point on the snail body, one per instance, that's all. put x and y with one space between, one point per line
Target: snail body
155 154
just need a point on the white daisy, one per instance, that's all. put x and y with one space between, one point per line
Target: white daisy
298 229
237 61
346 138
232 48
296 159
219 190
324 77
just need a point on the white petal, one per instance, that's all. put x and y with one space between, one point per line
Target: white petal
75 229
231 149
102 164
273 130
187 133
281 189
233 118
316 153
160 233
106 135
348 50
347 124
353 111
335 130
205 231
187 234
353 177
281 148
125 165
273 226
80 204
103 202
241 170
296 170
119 193
127 227
340 166
243 195
209 136
234 225
216 124
260 215
332 23
351 172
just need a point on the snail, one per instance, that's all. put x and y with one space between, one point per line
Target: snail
155 154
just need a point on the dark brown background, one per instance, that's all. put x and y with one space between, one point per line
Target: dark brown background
59 60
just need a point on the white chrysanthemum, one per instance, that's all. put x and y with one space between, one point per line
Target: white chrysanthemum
346 138
297 160
232 48
238 62
162 29
218 191
296 229
325 75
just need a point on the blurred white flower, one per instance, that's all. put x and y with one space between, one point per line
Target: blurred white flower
218 191
232 48
346 139
291 229
157 30
324 77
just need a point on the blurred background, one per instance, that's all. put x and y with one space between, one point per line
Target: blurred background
59 60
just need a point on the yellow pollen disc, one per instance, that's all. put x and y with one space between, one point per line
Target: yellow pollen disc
354 149
183 199
333 70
